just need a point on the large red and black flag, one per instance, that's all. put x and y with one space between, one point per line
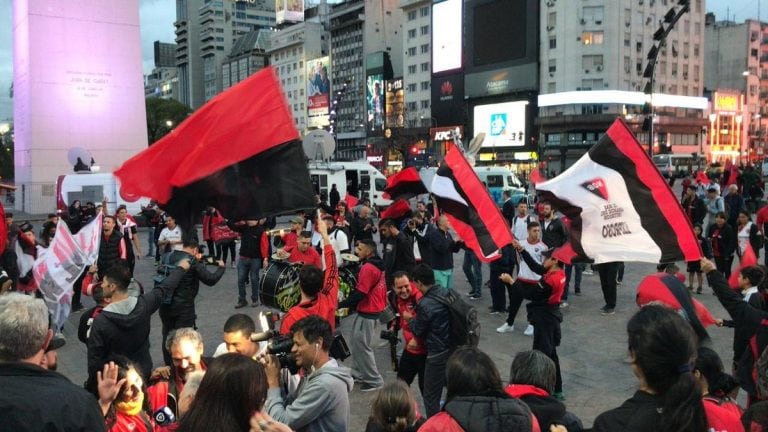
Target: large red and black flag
471 211
239 153
406 184
620 207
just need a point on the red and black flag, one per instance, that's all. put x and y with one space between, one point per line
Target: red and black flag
620 207
239 153
471 211
405 185
397 210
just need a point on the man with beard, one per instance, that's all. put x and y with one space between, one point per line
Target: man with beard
398 249
186 348
368 299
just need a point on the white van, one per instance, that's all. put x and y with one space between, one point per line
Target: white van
94 187
358 178
497 180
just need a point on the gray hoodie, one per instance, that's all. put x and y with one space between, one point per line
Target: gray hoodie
320 403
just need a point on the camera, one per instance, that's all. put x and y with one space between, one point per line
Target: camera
279 345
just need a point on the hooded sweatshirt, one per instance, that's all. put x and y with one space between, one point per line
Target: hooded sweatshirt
123 327
319 404
482 414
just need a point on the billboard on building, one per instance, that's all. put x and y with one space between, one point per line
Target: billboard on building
448 99
374 92
289 10
318 92
503 123
446 35
395 104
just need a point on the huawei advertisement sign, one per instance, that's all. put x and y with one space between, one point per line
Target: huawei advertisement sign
502 123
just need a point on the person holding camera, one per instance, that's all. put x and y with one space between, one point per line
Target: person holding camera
417 229
321 400
180 312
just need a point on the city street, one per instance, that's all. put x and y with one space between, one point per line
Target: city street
593 353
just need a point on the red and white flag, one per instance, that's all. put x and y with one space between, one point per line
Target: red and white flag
58 266
620 207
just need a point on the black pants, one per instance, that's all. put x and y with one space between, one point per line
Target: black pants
608 273
546 338
224 248
77 289
173 322
724 264
410 366
498 294
517 293
434 374
212 249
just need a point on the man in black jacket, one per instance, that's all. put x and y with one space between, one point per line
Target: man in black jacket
443 247
33 398
433 325
508 208
362 226
123 326
397 249
180 312
418 230
254 254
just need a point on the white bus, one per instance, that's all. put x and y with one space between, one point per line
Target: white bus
676 164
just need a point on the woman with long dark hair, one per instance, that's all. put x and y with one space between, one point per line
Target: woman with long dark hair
662 346
476 401
723 414
122 397
233 389
394 410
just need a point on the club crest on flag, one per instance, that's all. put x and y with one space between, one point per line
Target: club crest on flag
597 187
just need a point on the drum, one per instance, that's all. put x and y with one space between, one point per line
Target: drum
279 287
347 282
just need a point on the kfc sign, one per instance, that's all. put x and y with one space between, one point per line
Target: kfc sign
445 133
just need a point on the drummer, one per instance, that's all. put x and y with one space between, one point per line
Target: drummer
319 290
291 237
304 252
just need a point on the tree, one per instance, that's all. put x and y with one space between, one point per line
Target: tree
162 116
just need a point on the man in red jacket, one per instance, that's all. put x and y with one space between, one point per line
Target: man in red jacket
319 291
414 356
368 298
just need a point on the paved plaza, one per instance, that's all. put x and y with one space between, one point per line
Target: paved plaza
593 353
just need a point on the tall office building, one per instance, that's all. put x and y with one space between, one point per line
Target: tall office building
416 72
248 56
299 53
593 58
366 40
206 31
737 61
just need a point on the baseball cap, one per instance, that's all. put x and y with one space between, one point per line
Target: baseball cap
297 220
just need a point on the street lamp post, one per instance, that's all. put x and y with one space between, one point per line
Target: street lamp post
660 36
712 119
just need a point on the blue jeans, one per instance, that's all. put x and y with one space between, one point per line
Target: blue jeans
576 270
151 241
473 269
244 267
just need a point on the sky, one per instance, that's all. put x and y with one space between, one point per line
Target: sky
157 17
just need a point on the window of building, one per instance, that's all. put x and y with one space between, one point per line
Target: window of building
411 33
425 67
627 65
424 12
552 42
424 30
589 62
412 51
551 20
594 14
639 45
552 65
551 88
639 67
627 40
425 85
411 15
424 48
412 106
695 50
411 88
686 26
753 52
674 69
662 68
592 38
411 69
425 104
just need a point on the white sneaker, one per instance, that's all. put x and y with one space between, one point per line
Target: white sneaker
505 328
528 330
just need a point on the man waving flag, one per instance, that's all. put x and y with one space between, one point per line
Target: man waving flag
620 207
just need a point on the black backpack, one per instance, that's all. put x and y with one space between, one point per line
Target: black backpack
163 271
465 327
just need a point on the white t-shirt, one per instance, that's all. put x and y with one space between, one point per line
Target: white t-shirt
520 226
535 250
339 242
743 237
171 235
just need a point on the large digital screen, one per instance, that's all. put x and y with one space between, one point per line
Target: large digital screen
446 35
395 99
499 21
289 10
318 91
375 102
502 123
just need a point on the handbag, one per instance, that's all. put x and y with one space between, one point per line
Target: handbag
223 233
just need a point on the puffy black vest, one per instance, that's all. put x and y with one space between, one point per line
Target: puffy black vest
109 252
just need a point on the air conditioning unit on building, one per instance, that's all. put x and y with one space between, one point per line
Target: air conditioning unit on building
550 28
550 3
583 21
586 71
599 68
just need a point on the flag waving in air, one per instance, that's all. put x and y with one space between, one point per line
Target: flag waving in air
239 153
620 207
470 209
406 184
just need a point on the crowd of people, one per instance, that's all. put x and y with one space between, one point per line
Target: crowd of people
290 376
